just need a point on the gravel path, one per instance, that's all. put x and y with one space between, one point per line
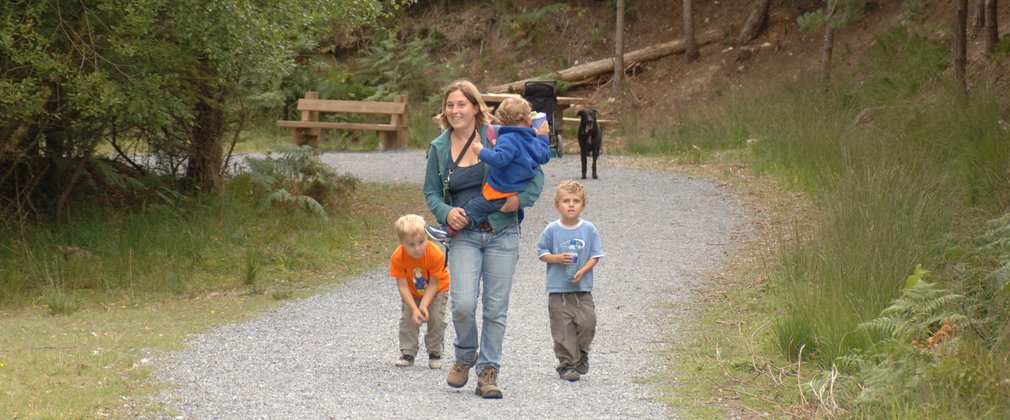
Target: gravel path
331 355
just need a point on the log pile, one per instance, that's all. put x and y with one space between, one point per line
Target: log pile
585 73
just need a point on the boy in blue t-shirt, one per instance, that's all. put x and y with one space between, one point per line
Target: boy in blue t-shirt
570 300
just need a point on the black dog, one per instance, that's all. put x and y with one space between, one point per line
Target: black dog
590 138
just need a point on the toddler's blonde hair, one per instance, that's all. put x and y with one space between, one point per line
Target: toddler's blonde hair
409 226
514 111
571 186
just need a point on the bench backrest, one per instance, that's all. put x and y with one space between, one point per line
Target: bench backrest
364 107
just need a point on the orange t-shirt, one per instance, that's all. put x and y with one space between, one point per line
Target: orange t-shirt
418 271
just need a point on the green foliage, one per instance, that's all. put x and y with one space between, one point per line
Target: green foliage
525 28
915 7
298 179
920 309
898 168
393 66
918 347
794 337
899 66
997 244
166 77
844 13
59 302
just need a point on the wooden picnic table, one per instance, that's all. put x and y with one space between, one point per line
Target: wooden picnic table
564 102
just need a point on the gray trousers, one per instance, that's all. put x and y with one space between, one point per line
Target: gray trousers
435 333
573 326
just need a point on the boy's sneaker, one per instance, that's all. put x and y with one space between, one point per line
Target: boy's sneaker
439 233
569 375
487 383
583 366
459 373
405 360
434 361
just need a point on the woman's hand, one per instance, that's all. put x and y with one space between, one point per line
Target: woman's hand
456 218
511 204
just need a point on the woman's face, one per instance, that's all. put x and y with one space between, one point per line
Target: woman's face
460 112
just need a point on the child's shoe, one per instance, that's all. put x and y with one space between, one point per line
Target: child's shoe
434 361
583 366
405 361
569 375
440 233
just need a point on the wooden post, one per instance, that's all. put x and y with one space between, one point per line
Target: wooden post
303 136
396 139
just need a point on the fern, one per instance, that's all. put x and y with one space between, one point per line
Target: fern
297 179
997 242
900 366
919 310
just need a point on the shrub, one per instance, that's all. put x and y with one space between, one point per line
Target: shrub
298 179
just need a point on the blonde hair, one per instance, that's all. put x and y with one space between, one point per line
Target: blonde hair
571 186
469 90
409 226
514 111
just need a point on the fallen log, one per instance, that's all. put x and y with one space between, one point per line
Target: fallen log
755 23
585 73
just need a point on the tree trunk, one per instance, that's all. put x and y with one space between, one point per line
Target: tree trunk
827 47
583 73
756 22
207 142
619 49
690 47
960 43
991 27
977 20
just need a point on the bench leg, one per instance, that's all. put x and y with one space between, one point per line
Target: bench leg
305 136
387 140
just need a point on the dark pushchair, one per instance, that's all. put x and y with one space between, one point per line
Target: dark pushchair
543 97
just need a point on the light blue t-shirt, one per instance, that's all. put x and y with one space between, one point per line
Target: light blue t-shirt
555 239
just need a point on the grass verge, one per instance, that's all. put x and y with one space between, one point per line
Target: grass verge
96 358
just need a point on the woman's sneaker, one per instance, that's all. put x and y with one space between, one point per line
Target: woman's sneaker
405 361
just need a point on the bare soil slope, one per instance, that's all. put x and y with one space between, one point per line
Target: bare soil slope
523 39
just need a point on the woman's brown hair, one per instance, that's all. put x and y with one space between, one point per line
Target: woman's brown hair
471 93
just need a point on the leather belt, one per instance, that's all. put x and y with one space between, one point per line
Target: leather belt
484 226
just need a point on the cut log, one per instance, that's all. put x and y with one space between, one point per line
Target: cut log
755 23
585 73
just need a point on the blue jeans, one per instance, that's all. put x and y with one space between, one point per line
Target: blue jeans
477 208
474 256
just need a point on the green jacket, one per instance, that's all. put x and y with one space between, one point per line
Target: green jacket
437 171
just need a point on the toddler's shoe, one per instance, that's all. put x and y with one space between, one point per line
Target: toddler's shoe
439 233
434 361
405 361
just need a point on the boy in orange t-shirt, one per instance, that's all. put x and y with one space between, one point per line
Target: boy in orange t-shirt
418 266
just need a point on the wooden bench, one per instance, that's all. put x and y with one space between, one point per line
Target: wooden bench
308 130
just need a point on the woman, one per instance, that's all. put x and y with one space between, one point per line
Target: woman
487 253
